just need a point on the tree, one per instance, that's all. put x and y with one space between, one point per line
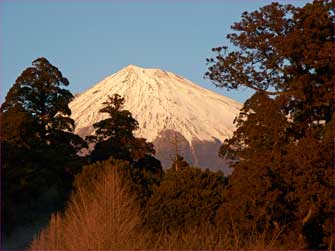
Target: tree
114 138
284 54
186 198
179 163
255 199
178 146
36 112
114 135
146 173
284 51
37 141
309 171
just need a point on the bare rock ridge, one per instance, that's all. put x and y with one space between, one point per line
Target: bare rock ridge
170 109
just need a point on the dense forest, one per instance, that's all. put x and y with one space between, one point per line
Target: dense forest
279 196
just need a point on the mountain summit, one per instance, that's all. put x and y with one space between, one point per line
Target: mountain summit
173 113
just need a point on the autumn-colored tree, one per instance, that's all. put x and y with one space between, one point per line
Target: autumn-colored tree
285 54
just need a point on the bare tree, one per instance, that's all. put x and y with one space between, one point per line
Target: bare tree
179 147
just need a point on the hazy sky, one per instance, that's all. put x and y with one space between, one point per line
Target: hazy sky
89 40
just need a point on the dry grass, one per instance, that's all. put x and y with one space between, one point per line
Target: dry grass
102 216
211 237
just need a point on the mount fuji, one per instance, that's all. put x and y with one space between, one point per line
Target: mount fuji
176 115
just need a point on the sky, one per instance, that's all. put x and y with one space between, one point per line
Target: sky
89 40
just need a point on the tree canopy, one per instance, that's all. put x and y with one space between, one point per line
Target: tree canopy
36 109
282 146
38 146
286 52
114 135
185 198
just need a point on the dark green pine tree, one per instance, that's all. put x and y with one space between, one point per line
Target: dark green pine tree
38 147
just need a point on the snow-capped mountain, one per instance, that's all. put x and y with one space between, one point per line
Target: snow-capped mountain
170 110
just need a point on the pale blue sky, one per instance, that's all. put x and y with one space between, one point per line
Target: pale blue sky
89 40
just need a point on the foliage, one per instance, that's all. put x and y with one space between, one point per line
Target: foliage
308 168
114 135
141 177
255 198
146 173
38 147
114 138
37 98
283 145
184 198
101 214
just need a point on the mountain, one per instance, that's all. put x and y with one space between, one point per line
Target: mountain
173 113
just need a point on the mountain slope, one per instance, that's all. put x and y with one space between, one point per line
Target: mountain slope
161 102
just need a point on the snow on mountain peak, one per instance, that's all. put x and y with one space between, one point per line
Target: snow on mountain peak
159 100
132 67
142 71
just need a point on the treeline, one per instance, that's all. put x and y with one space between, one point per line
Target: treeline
104 214
280 194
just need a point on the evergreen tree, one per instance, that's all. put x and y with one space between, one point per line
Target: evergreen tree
147 174
186 198
114 139
35 111
114 136
285 54
38 147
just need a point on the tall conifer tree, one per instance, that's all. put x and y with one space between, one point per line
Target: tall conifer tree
38 147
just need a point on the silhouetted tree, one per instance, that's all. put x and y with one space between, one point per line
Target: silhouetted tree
114 138
38 147
285 55
147 173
